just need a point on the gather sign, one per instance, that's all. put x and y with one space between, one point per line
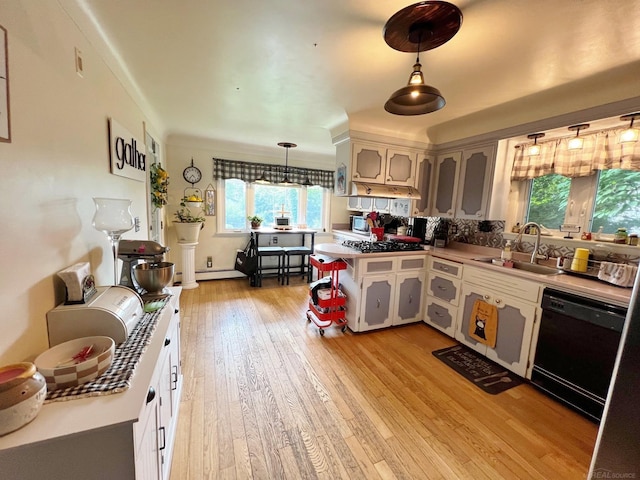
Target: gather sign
127 160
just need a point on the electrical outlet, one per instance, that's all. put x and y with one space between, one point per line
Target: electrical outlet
136 222
274 240
209 262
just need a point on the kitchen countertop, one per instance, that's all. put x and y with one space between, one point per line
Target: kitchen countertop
465 254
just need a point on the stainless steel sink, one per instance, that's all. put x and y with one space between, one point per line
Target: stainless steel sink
539 269
526 266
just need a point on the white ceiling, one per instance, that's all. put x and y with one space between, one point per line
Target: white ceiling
261 72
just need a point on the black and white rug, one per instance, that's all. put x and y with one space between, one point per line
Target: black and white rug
482 372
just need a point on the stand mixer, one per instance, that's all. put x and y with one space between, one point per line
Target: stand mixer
134 252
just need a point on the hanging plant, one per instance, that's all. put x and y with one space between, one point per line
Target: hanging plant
159 185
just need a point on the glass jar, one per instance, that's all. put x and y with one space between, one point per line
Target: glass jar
633 239
620 236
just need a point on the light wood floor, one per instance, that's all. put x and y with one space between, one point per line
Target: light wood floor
266 397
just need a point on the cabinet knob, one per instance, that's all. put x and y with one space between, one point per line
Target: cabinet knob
167 341
410 298
378 303
151 394
487 297
176 311
498 301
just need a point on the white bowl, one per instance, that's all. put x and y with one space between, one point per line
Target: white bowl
65 366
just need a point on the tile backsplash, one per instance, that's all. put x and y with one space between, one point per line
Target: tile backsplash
490 234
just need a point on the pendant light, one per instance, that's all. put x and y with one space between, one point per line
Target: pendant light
576 143
287 146
417 28
534 149
630 134
262 179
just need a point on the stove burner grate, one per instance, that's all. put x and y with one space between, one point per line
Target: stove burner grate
379 247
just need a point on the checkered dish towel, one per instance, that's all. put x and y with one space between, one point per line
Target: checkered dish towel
125 360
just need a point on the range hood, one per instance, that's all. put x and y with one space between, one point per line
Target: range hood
361 189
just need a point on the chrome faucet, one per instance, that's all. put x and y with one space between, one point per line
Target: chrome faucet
518 239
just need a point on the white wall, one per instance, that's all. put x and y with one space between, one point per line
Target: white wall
57 161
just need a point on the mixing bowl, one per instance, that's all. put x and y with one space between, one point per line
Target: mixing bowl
153 277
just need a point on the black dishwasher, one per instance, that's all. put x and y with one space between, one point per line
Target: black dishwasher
576 350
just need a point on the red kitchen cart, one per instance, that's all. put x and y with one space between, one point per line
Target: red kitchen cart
327 306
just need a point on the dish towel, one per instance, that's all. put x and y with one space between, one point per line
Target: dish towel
483 324
618 273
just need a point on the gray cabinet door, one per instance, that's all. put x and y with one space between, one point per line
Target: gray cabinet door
424 179
409 296
443 288
377 300
476 174
462 332
447 172
401 167
369 163
439 316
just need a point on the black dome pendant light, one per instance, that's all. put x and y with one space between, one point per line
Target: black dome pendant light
417 28
287 146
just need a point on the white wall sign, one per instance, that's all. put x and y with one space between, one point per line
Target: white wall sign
127 154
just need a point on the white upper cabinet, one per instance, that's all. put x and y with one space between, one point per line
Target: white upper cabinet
476 175
424 184
447 174
463 181
369 163
383 164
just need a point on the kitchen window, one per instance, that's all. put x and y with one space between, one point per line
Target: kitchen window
304 205
305 201
610 198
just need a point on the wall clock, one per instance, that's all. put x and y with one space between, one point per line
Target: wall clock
192 174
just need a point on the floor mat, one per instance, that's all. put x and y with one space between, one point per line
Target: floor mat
488 375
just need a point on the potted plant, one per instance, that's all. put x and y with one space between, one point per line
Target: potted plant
255 220
188 224
159 184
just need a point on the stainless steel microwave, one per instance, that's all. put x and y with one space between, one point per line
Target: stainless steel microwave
359 224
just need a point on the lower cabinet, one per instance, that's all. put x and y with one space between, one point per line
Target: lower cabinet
121 435
384 291
157 424
516 316
378 296
443 294
409 298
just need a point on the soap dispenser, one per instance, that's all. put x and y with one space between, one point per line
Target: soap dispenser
506 251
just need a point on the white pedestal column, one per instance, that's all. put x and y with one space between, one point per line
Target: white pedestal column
189 265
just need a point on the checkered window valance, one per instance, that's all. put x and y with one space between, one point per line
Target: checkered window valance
601 151
250 172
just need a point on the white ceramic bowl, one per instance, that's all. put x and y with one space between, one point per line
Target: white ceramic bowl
69 365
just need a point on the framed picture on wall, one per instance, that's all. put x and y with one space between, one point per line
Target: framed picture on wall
5 120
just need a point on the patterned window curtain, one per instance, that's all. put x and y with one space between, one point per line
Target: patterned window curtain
250 172
601 151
